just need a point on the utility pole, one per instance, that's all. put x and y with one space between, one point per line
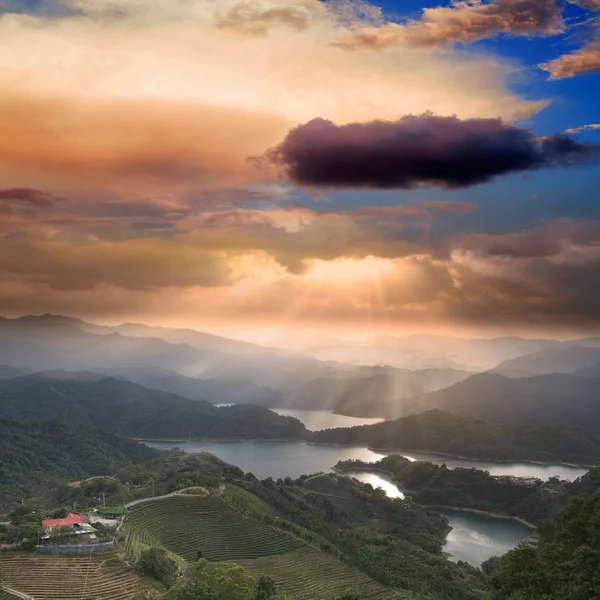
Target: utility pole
103 499
153 488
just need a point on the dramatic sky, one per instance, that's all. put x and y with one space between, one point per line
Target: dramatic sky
252 166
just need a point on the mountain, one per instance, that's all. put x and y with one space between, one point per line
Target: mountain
442 432
8 372
48 343
424 351
545 399
563 359
129 409
34 455
212 390
593 371
356 396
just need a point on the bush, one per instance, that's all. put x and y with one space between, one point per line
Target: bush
155 562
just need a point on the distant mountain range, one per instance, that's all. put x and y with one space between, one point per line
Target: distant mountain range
418 352
556 399
561 359
204 367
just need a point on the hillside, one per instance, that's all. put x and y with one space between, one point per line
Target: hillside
438 431
563 359
546 399
35 455
132 410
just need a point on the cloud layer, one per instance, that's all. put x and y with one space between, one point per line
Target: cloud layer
418 151
464 22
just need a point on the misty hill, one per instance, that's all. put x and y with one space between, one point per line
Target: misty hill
36 454
353 396
593 371
212 390
8 372
129 409
563 359
442 432
417 352
40 344
545 399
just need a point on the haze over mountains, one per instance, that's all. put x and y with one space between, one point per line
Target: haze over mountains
541 380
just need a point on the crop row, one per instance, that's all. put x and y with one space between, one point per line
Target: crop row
308 574
188 525
65 578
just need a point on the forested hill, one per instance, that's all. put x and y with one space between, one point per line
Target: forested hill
132 410
438 431
35 455
556 399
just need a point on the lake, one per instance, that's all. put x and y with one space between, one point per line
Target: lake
517 469
474 538
317 420
283 459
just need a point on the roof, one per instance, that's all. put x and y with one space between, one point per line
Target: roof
71 519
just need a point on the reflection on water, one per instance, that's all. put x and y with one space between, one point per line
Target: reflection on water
475 538
377 480
317 420
274 459
517 469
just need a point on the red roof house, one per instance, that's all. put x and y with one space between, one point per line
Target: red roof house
69 521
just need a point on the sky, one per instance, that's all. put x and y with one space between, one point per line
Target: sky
270 168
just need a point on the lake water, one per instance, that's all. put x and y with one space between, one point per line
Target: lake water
474 538
517 469
317 420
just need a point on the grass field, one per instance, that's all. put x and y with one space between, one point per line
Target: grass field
307 574
65 578
188 524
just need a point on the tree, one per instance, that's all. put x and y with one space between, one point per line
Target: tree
213 581
156 563
265 588
1 577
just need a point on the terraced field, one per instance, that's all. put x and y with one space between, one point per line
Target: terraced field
307 574
62 578
188 524
244 501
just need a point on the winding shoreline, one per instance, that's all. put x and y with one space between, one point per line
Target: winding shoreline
458 456
477 511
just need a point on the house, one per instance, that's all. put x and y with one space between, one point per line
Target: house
73 524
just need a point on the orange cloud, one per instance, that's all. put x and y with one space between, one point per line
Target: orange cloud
465 22
131 146
579 62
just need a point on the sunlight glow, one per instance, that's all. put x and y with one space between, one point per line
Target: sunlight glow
349 269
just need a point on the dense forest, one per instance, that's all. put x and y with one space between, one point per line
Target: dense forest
129 409
565 566
36 455
438 431
436 485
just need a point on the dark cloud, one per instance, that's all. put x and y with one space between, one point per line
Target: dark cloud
28 195
417 151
